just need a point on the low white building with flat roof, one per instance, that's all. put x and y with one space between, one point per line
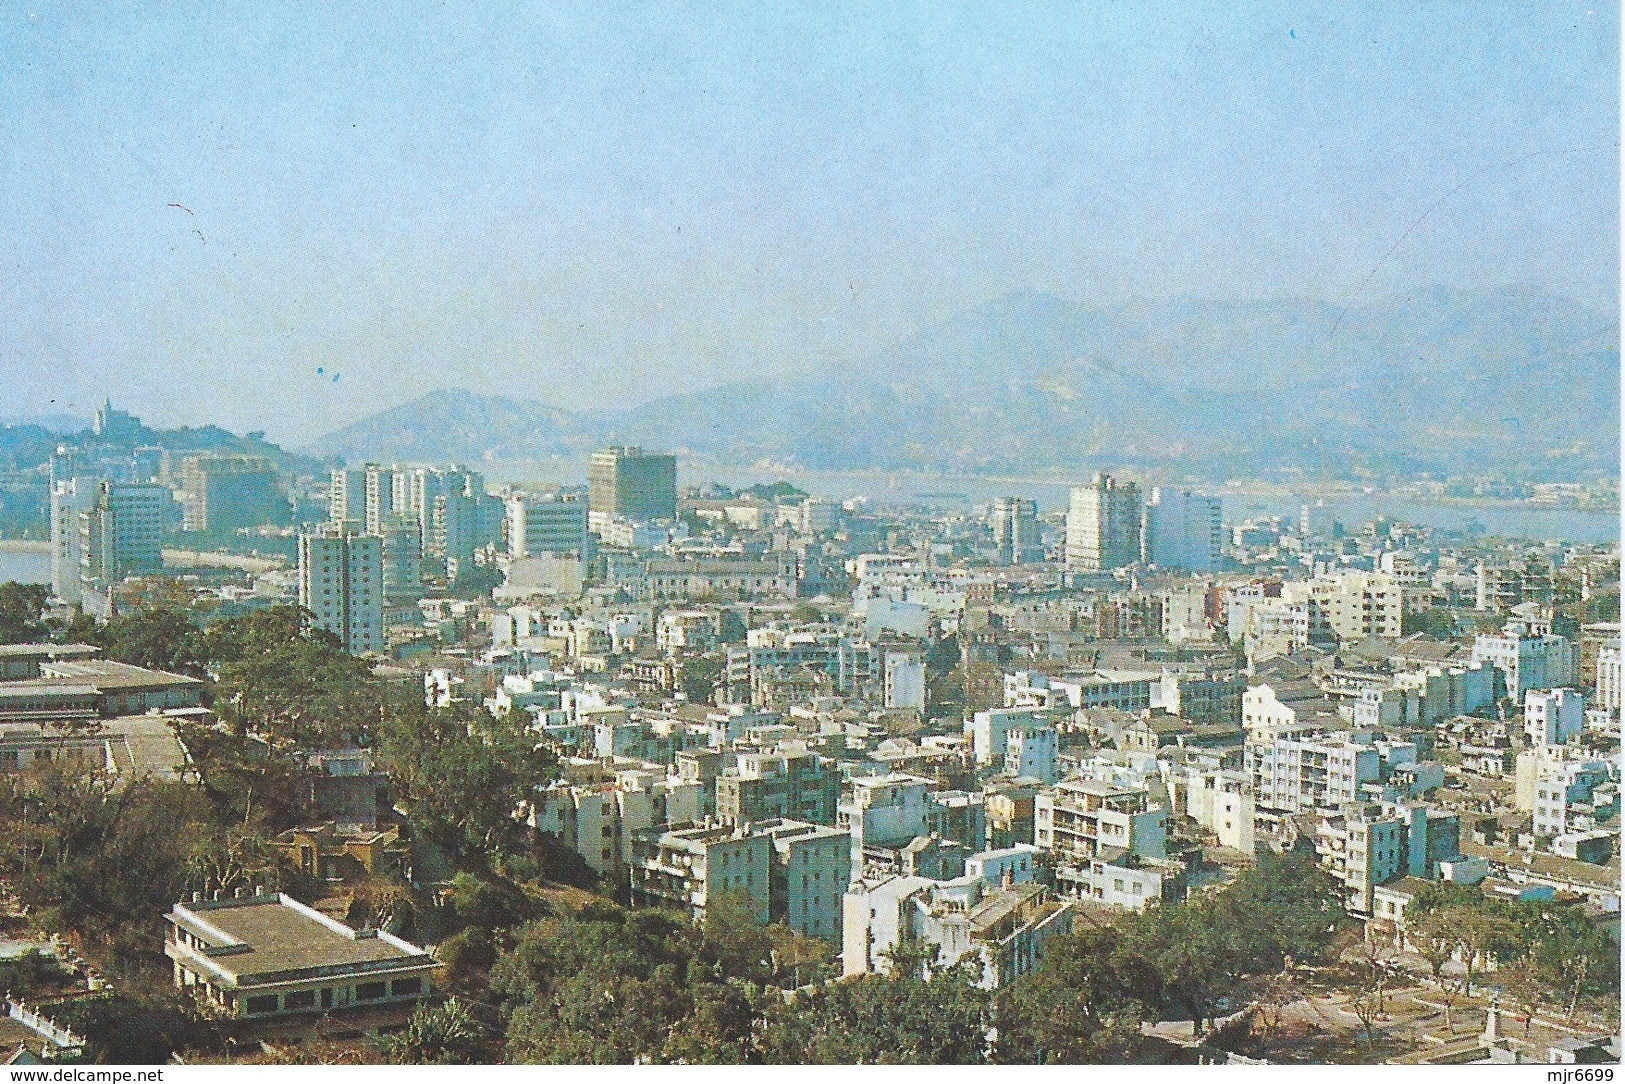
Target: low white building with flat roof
268 955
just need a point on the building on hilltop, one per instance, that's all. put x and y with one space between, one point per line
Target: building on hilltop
268 955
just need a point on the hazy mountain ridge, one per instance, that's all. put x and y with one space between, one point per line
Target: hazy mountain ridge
29 445
1442 382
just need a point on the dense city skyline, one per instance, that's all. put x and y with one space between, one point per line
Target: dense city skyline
779 534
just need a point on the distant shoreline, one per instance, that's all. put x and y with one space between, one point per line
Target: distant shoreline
23 545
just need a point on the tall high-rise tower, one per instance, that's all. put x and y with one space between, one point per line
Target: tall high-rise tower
1103 525
1183 530
631 483
341 582
1015 531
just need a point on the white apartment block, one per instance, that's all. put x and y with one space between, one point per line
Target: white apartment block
885 810
1103 525
1033 752
1005 927
905 681
1079 819
1364 846
1297 775
990 731
723 577
1361 605
1271 712
1553 716
1125 690
1005 865
1608 679
1221 800
347 497
121 531
546 523
1184 614
1111 884
599 823
1563 790
812 869
685 868
341 582
1361 851
69 499
1529 657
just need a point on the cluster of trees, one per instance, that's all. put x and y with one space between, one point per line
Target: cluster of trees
105 860
22 606
598 983
104 857
1544 953
462 774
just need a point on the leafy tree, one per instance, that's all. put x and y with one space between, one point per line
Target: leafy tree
1568 956
796 958
735 941
102 860
605 986
1195 956
718 1030
700 676
598 1017
159 639
1438 622
444 1034
1369 997
805 613
79 628
277 673
490 904
26 974
1083 1005
234 856
244 784
468 954
475 580
1282 907
21 608
380 902
463 773
918 1014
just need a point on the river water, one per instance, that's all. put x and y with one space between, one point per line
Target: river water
24 565
963 491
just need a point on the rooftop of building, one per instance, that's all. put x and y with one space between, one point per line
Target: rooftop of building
137 745
1406 886
889 779
110 676
1550 866
998 905
48 651
789 831
33 688
257 937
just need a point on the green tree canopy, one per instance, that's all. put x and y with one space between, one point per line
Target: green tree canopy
21 608
159 639
463 774
277 673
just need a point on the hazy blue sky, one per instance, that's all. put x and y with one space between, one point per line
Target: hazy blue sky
560 202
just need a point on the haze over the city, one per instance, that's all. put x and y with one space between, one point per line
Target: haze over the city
574 205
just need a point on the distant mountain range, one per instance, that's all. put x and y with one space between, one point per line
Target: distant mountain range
1518 381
